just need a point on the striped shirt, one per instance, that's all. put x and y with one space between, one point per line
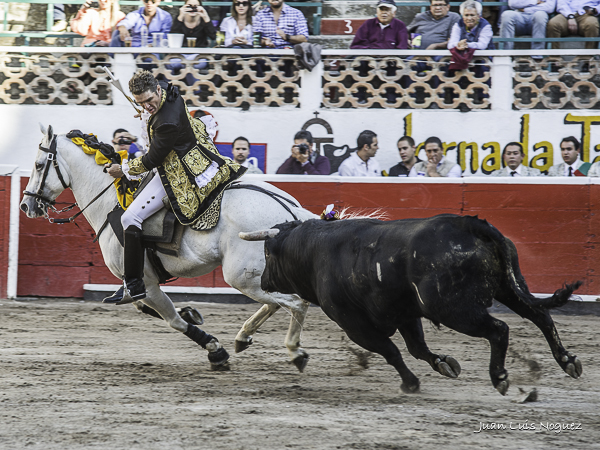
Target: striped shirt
291 21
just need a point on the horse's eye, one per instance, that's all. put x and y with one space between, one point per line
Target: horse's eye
39 167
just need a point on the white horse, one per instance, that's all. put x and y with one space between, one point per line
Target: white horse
201 251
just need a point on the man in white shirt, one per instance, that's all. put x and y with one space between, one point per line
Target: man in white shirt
362 163
436 165
240 150
572 166
575 17
513 156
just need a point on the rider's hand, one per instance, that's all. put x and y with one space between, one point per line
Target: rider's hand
114 170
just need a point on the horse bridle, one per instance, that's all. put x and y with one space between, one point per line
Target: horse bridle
46 202
50 160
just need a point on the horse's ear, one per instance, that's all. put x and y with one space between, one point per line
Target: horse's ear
43 128
50 132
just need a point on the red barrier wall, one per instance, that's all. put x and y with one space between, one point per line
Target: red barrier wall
4 230
551 225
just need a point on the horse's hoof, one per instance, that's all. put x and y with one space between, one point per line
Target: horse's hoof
240 346
191 315
300 362
410 389
218 357
448 366
502 387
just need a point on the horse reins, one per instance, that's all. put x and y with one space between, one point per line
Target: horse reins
52 160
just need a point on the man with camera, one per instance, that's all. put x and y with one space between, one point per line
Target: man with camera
304 161
95 20
123 140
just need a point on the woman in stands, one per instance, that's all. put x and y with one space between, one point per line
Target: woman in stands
97 24
193 22
238 27
472 31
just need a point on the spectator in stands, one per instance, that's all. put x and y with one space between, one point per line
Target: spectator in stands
384 31
434 26
436 165
150 18
472 31
526 17
97 25
241 149
280 25
513 156
123 140
572 166
575 17
303 159
193 22
238 26
362 163
407 149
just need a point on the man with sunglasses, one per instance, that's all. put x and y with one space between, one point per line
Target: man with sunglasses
149 17
280 25
191 174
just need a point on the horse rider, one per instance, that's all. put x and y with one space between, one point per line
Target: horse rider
191 174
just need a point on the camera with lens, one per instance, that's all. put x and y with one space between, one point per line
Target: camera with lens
94 5
125 141
192 8
303 148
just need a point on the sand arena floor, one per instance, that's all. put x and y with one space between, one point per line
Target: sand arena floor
82 375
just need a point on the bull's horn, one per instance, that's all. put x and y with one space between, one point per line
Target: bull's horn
259 235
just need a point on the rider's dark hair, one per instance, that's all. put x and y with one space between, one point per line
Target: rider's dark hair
142 81
304 134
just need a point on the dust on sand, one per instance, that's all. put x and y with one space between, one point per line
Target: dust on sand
79 375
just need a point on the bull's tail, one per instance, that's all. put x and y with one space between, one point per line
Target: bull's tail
508 254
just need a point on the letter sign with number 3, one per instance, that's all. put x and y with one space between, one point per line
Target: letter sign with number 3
348 29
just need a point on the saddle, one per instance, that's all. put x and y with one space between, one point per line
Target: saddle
161 233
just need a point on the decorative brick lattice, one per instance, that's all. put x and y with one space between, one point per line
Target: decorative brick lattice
67 79
229 80
395 82
556 83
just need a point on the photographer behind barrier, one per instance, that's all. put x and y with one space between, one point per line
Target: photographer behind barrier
304 161
123 140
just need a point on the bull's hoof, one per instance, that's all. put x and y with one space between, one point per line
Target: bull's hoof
501 384
240 346
502 387
571 365
218 359
300 362
448 366
410 389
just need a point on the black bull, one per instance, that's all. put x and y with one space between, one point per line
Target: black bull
374 277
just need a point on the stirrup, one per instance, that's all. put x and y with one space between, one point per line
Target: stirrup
116 297
137 292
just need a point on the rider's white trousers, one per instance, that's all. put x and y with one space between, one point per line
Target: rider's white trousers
147 203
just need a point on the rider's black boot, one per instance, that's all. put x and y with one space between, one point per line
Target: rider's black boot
134 288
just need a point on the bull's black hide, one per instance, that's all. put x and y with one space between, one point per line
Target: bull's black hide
374 277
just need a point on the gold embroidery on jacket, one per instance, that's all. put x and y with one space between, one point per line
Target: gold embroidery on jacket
183 189
195 161
136 166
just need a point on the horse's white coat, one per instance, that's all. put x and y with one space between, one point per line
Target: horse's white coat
201 251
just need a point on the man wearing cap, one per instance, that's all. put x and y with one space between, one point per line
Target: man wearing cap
384 31
513 156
